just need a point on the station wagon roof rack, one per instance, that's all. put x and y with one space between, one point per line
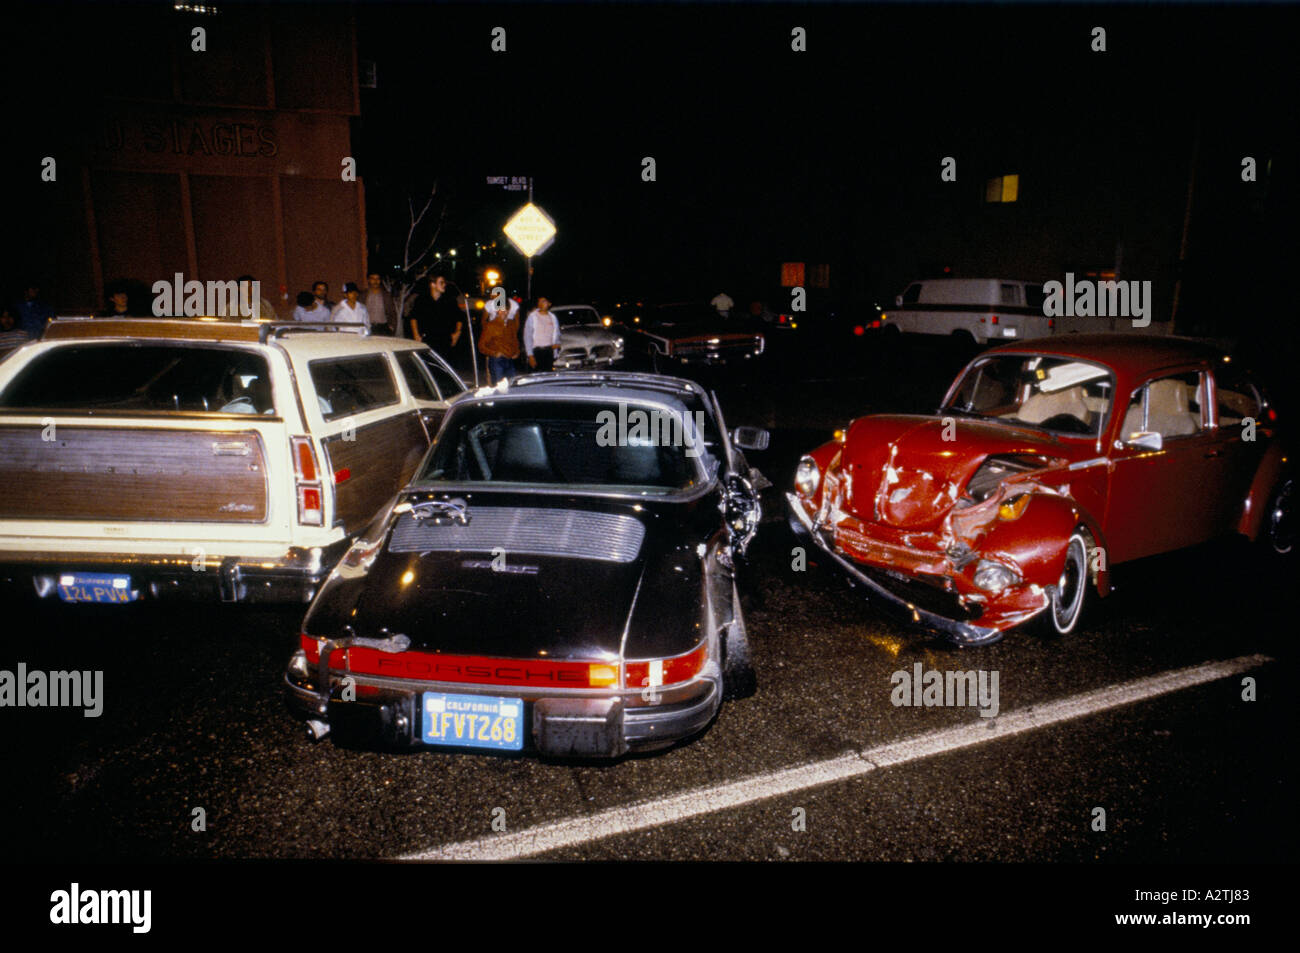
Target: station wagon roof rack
275 329
204 328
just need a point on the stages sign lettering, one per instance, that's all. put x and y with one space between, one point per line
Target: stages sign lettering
194 137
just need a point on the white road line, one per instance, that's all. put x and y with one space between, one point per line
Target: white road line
679 807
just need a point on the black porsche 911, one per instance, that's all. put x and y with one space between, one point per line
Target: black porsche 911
558 578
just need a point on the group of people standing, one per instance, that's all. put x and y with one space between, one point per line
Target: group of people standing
438 320
435 318
376 310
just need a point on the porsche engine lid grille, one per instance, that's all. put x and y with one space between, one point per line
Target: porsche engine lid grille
577 534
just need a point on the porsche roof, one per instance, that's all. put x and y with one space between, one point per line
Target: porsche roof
579 385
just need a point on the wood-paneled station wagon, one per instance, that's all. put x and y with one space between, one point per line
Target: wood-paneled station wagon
206 458
1048 463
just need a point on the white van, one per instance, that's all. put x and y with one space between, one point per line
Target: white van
989 310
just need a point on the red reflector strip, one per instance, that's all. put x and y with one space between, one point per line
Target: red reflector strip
341 476
470 669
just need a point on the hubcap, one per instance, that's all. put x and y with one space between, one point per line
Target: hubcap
1069 588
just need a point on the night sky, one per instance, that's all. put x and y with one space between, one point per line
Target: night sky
832 155
765 155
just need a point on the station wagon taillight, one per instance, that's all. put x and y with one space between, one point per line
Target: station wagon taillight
311 511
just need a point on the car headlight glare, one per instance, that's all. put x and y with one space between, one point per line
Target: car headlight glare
807 476
994 577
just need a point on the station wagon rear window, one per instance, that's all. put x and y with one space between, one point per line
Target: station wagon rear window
353 385
150 378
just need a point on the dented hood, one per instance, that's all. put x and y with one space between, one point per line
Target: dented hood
900 470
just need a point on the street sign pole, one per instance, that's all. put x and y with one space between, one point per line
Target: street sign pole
528 261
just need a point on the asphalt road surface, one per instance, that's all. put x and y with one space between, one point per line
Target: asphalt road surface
1129 740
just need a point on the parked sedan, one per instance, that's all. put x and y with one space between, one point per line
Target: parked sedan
1046 465
559 577
585 339
672 337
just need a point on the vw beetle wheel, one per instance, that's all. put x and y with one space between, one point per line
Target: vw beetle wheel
1070 592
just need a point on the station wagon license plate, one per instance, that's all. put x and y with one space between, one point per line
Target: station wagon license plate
95 587
473 721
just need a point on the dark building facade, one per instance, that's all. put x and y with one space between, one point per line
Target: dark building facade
213 155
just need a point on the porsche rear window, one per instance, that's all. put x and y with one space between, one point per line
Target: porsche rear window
577 444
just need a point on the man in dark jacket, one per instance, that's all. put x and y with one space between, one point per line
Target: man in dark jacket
435 318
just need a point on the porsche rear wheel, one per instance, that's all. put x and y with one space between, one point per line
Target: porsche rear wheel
1070 593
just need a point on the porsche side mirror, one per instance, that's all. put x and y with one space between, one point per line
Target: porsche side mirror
751 438
1146 440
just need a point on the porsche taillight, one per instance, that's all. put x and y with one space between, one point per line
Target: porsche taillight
311 511
654 673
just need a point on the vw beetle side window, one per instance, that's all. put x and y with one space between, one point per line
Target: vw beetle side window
1169 406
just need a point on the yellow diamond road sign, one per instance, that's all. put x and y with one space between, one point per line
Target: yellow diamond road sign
530 230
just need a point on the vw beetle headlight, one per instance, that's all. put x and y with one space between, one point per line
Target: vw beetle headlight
807 477
994 577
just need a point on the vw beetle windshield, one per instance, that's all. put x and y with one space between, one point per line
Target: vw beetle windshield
1051 393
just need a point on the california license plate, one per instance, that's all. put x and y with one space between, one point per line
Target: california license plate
473 721
96 587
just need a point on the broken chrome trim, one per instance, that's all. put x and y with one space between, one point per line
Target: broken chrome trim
327 647
962 633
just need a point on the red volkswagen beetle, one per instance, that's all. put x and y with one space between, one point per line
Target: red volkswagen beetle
1048 463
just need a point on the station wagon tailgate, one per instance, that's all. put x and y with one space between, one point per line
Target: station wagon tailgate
163 473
